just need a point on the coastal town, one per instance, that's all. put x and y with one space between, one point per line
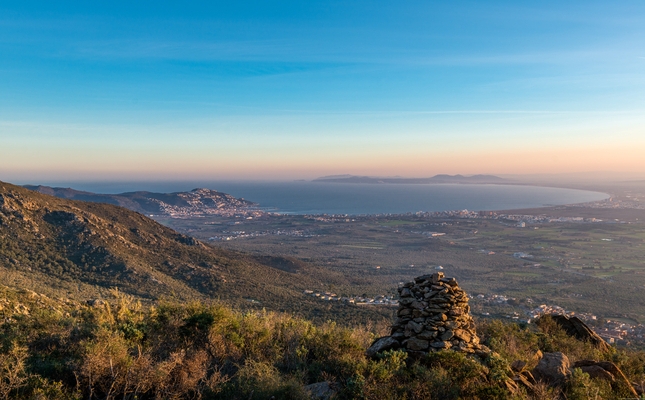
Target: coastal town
245 214
230 235
381 300
613 331
521 220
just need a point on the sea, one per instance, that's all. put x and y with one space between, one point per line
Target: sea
306 197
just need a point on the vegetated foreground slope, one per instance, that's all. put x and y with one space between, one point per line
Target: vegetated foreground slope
80 249
62 349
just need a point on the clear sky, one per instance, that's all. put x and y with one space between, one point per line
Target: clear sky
300 89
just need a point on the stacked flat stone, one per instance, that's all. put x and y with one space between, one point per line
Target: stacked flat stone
434 315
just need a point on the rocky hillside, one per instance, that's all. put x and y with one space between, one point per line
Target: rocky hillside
178 204
75 249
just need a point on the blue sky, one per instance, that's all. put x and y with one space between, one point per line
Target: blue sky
292 89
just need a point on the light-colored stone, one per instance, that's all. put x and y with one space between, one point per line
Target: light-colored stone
463 335
553 368
320 391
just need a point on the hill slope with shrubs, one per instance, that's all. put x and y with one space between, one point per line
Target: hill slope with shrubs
171 318
121 349
80 250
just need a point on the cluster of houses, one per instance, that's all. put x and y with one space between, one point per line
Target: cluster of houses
277 232
532 313
381 300
520 219
621 333
551 309
331 217
612 331
613 202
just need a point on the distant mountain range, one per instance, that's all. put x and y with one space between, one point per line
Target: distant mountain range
195 202
473 179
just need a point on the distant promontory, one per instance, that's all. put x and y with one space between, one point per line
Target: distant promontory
442 178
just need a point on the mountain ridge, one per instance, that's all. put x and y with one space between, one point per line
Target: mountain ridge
199 201
76 249
441 178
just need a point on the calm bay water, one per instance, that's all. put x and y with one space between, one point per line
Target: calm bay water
343 198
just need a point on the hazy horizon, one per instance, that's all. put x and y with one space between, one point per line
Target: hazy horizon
293 90
110 185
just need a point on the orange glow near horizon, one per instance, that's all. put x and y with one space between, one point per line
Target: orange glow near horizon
413 163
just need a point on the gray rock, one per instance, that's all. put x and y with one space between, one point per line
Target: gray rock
95 303
419 305
553 368
447 335
578 329
406 301
382 344
440 317
426 335
612 371
597 372
435 309
417 344
398 335
320 391
422 278
414 326
404 311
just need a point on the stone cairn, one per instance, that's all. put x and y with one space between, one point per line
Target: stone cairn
433 315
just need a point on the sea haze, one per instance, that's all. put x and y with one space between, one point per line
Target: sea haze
344 198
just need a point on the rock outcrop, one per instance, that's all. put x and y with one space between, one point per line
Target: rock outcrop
320 391
433 315
553 368
607 370
574 326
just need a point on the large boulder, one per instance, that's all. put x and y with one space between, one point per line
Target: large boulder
382 344
597 372
574 326
553 368
320 391
608 371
